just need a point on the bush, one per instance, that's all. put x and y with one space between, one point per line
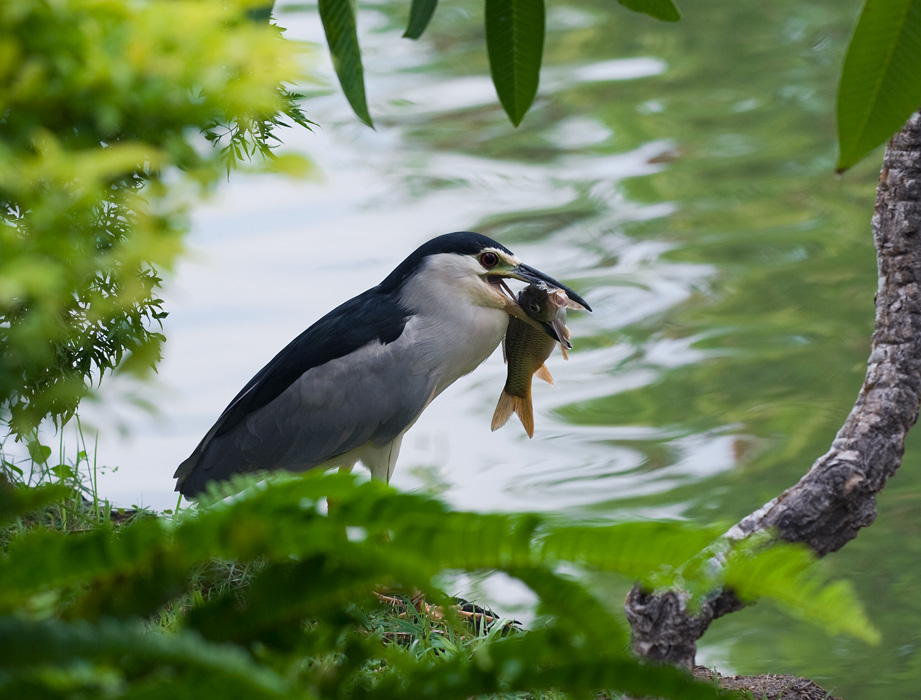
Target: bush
106 110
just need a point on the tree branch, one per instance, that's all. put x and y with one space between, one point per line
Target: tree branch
837 497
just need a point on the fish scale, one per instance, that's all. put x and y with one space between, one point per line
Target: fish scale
526 349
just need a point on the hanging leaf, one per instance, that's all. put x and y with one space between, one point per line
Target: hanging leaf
338 17
664 10
419 15
515 44
881 79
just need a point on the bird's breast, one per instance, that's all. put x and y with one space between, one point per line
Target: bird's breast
452 347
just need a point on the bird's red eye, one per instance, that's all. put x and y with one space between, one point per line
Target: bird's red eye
489 259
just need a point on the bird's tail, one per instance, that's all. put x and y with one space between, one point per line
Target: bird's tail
508 405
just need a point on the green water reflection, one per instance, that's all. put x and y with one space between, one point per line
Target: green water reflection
727 118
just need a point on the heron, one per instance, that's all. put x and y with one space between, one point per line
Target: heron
348 388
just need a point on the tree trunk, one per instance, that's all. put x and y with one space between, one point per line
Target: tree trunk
837 496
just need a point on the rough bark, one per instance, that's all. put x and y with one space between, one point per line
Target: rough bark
837 496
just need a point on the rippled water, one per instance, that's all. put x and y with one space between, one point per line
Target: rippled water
680 176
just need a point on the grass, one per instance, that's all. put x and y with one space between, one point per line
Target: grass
79 506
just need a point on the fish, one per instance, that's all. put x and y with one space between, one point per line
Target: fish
527 346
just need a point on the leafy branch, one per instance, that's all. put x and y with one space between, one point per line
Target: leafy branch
102 104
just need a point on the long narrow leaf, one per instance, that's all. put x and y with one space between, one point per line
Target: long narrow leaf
338 17
664 10
515 44
881 79
26 643
420 13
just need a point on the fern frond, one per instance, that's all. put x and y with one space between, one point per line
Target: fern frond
790 576
31 644
315 549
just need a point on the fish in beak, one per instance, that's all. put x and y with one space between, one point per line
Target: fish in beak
566 298
528 274
526 349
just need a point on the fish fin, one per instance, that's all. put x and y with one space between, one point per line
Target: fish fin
543 373
525 412
508 405
504 410
562 332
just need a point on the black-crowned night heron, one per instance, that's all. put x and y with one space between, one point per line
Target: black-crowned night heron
348 388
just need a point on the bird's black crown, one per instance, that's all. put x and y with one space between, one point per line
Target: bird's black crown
461 242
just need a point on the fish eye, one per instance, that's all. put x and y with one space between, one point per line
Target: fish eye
489 259
535 307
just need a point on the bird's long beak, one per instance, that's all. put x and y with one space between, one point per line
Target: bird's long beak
556 330
528 274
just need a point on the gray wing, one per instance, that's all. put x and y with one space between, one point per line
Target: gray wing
370 395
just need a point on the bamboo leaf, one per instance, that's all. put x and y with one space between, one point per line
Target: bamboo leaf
664 10
420 13
339 24
881 80
515 44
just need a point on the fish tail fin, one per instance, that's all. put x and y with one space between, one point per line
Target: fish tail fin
543 373
508 405
504 410
525 412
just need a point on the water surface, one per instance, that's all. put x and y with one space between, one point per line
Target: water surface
680 177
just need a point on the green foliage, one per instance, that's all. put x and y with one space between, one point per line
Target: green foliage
420 13
30 648
881 80
515 43
626 547
514 32
664 10
785 573
274 594
338 17
102 104
16 502
879 85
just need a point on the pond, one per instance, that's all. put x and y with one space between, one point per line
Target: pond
681 178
